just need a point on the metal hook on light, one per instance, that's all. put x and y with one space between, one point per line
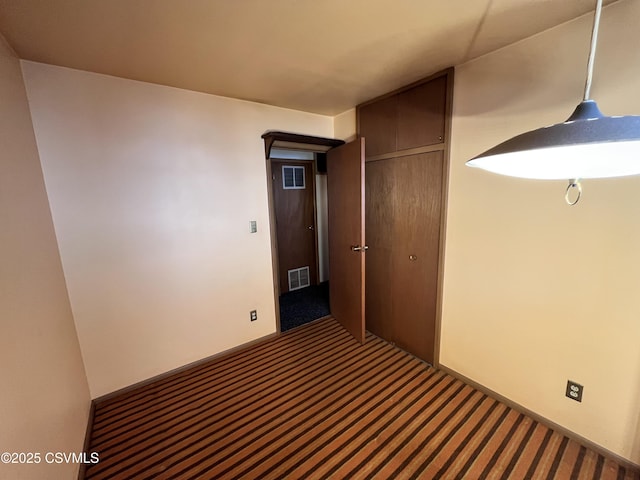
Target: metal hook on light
573 184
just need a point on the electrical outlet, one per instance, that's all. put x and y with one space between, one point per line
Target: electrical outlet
253 226
574 391
253 315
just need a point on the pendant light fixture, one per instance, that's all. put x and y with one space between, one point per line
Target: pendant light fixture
587 145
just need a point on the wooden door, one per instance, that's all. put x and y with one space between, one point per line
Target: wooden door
412 118
379 218
345 193
404 200
415 256
293 198
422 114
378 124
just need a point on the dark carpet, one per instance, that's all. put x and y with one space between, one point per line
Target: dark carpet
303 306
315 404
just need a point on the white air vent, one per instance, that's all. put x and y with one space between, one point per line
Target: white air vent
299 278
292 177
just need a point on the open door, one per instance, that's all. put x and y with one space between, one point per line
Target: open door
345 192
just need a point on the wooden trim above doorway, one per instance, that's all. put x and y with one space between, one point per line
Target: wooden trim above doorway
295 141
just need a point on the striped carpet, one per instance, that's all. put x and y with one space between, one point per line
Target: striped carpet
313 403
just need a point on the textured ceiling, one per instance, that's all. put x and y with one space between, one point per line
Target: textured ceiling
322 56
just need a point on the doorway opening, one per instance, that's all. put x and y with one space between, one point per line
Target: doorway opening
296 170
341 196
300 208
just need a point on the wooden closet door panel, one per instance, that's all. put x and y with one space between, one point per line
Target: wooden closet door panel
379 195
377 124
421 114
418 199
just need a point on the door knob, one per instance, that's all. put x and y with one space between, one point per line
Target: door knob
413 258
358 248
310 227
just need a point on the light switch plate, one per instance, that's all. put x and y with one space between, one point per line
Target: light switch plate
253 226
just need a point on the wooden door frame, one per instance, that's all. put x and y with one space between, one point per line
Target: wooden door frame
273 235
291 141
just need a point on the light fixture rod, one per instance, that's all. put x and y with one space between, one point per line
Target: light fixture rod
592 50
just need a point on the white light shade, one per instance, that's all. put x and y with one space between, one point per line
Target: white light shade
597 160
587 145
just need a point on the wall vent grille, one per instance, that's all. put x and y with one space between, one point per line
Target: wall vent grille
299 278
293 177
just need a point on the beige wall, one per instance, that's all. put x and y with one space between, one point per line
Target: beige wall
45 399
344 125
152 190
537 292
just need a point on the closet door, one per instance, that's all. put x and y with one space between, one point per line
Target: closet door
379 218
377 123
407 144
421 114
416 230
403 199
